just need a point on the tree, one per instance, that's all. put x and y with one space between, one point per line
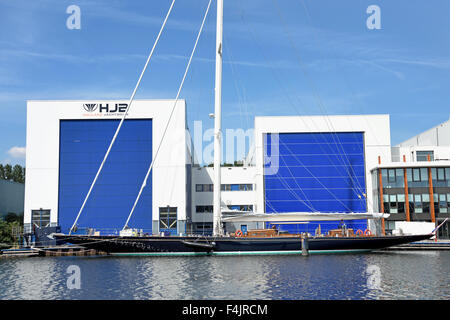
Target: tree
12 217
17 174
8 172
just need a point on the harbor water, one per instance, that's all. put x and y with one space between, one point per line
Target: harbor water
381 275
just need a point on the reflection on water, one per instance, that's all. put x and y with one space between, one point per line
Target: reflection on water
383 275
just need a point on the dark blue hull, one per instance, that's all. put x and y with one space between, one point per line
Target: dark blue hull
231 245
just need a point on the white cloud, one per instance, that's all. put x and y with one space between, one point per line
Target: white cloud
17 152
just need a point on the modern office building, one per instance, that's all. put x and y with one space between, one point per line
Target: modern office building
415 185
297 164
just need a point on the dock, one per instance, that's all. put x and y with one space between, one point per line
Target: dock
422 245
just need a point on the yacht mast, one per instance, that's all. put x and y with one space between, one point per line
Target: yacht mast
217 224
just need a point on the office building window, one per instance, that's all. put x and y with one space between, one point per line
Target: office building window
242 207
224 187
393 208
426 202
418 203
441 203
443 208
401 203
392 178
441 177
417 177
423 155
447 177
204 209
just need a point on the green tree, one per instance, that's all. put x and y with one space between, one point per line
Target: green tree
8 172
17 174
10 231
2 172
12 217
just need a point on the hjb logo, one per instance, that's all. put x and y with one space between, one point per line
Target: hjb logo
118 107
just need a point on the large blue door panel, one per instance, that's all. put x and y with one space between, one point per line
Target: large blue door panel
322 172
83 144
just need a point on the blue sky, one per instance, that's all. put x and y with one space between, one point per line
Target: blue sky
280 58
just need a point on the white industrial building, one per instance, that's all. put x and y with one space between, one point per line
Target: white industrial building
66 141
297 164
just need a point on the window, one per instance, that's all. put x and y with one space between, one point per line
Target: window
204 209
417 177
384 177
424 174
167 218
416 174
393 208
392 178
401 203
447 177
439 177
417 203
204 187
386 203
440 174
443 204
391 175
242 207
40 218
423 155
245 187
237 187
426 202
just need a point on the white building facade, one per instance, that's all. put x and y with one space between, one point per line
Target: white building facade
66 142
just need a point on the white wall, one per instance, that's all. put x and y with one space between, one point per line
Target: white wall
441 153
229 175
377 141
42 159
437 136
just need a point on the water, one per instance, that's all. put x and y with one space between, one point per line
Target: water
384 275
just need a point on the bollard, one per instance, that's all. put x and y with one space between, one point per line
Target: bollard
305 249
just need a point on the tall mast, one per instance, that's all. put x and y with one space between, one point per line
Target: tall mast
217 224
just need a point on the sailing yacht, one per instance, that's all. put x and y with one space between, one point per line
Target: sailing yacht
265 241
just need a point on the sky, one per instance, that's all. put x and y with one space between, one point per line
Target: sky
289 57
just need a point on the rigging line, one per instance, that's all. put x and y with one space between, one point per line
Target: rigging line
123 117
320 103
310 206
271 68
370 202
318 180
237 83
286 184
348 84
170 117
292 104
